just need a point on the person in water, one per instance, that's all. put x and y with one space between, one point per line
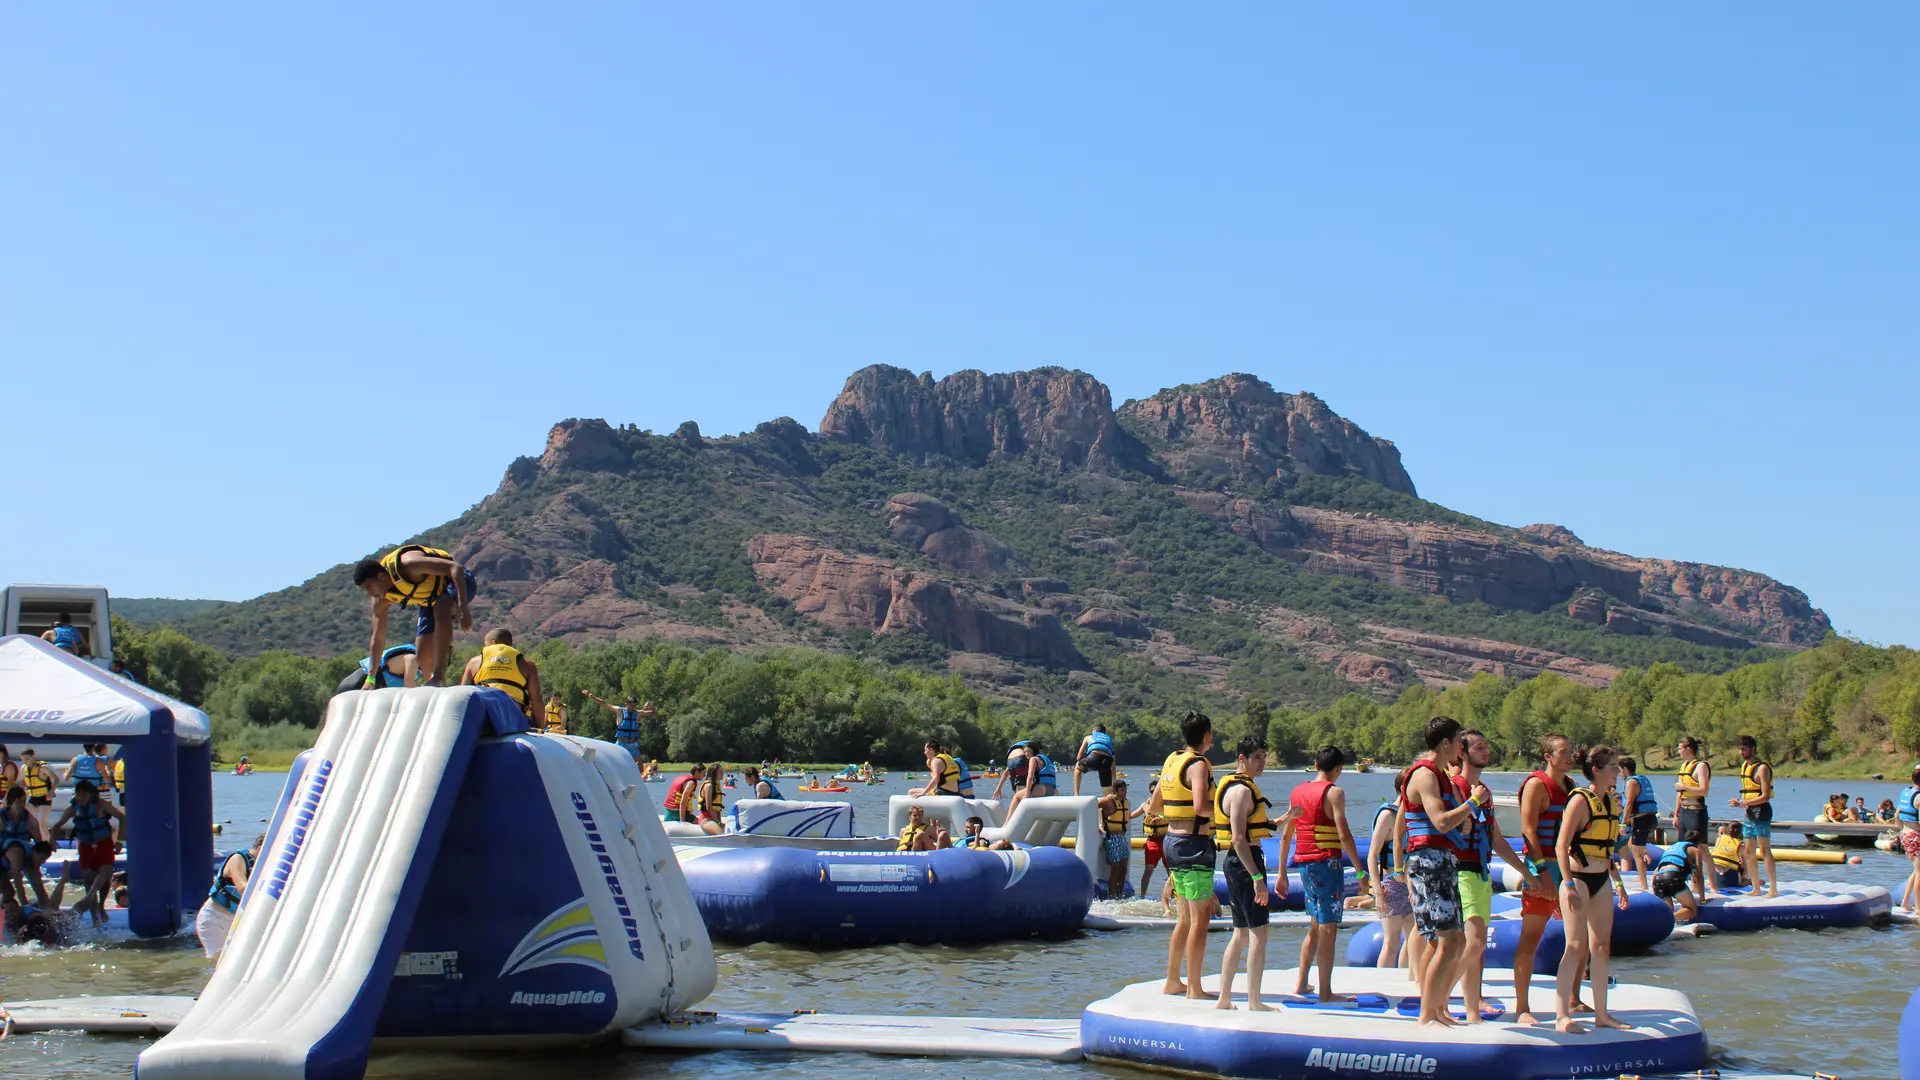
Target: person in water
1240 824
502 667
1316 833
68 637
434 583
1756 797
1906 811
1185 798
215 919
1096 754
1543 802
1116 824
1484 841
1154 824
20 836
916 835
1672 873
627 717
1042 779
758 786
946 774
558 715
1434 814
92 818
1690 790
1590 887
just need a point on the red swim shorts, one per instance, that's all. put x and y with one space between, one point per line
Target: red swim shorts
1154 853
1910 843
96 855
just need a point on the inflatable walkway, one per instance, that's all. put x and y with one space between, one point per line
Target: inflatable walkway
436 877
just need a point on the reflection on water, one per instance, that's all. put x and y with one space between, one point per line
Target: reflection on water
1782 1000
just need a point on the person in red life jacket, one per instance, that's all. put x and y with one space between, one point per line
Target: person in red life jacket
1434 813
1319 837
1543 800
682 803
1476 880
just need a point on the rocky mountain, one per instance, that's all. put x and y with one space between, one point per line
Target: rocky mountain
1212 542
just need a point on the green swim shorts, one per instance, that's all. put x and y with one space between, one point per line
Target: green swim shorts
1476 896
1195 883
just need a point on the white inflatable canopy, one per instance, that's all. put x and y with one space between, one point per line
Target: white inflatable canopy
45 693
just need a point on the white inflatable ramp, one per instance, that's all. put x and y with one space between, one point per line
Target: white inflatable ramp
134 1014
910 1036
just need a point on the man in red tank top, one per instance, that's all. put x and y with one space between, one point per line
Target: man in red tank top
1543 798
1319 835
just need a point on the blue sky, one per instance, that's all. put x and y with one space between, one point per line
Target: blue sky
278 287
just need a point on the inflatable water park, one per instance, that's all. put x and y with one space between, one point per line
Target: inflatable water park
398 903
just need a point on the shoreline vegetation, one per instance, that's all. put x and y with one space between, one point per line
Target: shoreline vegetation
1843 710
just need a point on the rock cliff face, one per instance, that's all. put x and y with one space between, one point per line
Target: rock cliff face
1239 429
860 592
926 524
1059 418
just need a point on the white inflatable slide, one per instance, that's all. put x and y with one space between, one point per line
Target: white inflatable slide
571 901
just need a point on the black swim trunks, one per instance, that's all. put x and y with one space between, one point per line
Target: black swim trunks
1433 877
1669 882
1246 913
1184 852
1693 819
1643 827
1101 762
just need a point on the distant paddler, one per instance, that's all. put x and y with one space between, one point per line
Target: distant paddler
502 667
428 579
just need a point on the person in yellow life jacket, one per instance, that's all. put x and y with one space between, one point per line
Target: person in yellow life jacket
1185 798
916 836
1590 886
1241 825
427 579
711 795
1729 856
1155 825
1116 818
37 778
557 714
1756 796
501 667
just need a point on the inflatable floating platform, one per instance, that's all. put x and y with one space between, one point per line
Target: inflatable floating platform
1645 923
913 1036
855 898
1378 1034
1806 905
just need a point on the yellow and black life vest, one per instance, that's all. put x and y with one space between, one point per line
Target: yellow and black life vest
711 797
412 593
556 718
1115 820
1691 770
500 669
1176 798
38 781
1750 778
1258 827
1599 836
1155 825
1726 853
949 774
910 836
120 774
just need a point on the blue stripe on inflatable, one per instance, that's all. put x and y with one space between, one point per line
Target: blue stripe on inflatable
869 898
1646 923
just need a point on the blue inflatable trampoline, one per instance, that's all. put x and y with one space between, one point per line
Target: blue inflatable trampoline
1646 923
840 898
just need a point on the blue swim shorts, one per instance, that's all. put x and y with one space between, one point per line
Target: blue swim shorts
1759 821
424 625
1325 886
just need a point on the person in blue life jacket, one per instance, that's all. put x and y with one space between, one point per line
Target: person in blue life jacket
976 840
215 919
627 718
86 766
1643 817
1042 776
432 582
1095 754
21 840
1674 872
397 664
758 786
67 636
947 773
92 828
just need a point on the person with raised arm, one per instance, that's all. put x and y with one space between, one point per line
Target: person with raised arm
626 721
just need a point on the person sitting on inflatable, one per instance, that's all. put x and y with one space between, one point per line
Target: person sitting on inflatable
20 838
1040 777
558 714
1674 872
946 773
680 803
502 667
975 840
429 580
916 836
711 798
1729 856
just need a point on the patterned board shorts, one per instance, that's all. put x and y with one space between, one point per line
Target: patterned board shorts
1399 903
1910 843
1433 877
1325 885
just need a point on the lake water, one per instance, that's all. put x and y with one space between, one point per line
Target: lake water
1789 1001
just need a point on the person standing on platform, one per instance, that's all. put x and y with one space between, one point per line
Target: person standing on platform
1756 797
1240 824
1185 799
1476 869
1116 818
1590 888
626 724
1643 816
1317 834
1096 754
427 579
1690 791
502 667
1155 826
1543 799
1386 869
1434 813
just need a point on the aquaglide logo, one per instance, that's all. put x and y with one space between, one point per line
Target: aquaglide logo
48 715
628 923
1394 1064
571 997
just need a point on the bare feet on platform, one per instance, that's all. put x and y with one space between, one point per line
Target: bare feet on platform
1567 1025
1173 988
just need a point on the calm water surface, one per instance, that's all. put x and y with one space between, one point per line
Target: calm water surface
1790 1001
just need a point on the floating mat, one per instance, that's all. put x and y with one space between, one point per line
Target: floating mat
1807 905
131 1015
915 1036
1142 1026
1163 922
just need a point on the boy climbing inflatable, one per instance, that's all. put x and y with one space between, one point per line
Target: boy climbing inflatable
420 577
